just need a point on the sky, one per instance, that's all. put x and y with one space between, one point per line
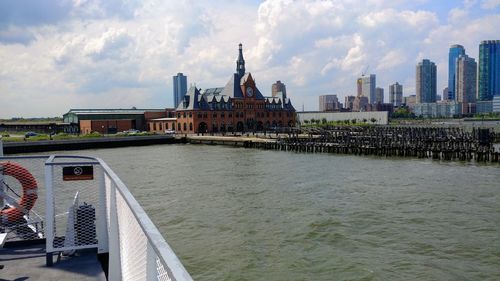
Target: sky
62 54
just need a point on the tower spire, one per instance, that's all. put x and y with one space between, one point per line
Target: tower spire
240 63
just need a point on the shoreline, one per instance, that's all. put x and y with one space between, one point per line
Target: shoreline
79 144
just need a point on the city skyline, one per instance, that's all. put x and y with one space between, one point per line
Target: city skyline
58 55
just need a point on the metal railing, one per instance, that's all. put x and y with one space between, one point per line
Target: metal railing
88 206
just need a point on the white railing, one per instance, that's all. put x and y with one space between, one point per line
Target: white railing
113 220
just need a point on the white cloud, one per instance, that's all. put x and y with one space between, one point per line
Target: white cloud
391 59
490 4
94 53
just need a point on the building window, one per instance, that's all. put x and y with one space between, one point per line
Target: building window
178 115
222 115
230 115
199 115
179 126
205 115
214 115
279 114
184 115
159 126
190 126
185 127
190 114
154 126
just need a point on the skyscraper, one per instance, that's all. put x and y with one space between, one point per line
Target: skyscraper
465 85
366 87
489 70
379 95
329 103
180 88
396 94
277 88
455 52
426 81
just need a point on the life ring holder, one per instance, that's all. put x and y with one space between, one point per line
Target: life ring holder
15 213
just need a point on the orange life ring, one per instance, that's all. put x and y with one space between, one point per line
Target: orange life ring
14 214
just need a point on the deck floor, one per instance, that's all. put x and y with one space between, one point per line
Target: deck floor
28 263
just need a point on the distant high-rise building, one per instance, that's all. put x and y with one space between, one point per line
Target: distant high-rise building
360 103
396 94
278 89
426 81
180 88
489 70
329 103
465 84
445 94
409 100
379 95
438 97
349 101
366 87
455 52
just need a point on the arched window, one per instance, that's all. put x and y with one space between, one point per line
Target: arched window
179 126
190 126
185 127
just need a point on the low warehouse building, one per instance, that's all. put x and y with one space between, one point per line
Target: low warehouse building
372 117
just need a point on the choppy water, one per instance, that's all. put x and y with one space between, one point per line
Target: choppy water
243 214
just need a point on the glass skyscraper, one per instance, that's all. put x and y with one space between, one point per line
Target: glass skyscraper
455 52
426 81
180 88
489 70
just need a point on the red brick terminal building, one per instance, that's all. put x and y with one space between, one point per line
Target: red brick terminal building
239 106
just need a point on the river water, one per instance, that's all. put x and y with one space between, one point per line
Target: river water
244 214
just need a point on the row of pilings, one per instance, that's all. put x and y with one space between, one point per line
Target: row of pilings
419 142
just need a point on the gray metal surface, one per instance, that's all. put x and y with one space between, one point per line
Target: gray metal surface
28 263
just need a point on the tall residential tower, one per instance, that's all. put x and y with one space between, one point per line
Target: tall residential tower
426 81
180 88
489 70
396 94
465 84
278 89
455 52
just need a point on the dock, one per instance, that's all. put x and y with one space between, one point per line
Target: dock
450 144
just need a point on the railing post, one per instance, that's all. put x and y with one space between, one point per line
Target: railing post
114 265
102 222
49 211
1 146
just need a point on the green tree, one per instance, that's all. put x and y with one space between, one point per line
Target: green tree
373 120
353 121
306 121
323 121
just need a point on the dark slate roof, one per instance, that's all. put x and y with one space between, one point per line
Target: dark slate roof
193 100
232 88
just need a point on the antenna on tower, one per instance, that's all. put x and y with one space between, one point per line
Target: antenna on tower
302 106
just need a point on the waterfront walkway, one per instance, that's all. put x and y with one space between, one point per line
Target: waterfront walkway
28 263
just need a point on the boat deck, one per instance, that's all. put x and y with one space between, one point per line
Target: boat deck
27 262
